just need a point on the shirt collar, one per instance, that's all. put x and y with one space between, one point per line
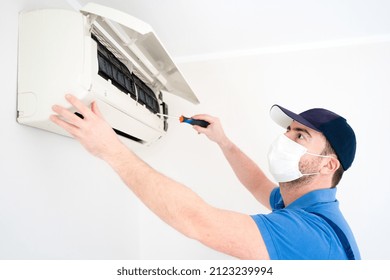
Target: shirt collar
310 199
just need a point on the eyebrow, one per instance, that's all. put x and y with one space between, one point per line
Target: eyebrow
300 130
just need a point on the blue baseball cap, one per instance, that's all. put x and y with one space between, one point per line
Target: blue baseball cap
334 127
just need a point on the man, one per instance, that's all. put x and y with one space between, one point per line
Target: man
307 161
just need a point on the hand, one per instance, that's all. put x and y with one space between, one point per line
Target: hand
93 132
213 131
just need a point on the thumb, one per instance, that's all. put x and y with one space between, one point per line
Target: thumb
95 109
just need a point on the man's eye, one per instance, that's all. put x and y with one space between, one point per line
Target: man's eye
300 136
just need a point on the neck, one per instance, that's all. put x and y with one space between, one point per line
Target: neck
290 194
291 191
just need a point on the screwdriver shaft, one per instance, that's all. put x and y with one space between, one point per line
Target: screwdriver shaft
168 116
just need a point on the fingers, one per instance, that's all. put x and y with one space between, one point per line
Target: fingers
70 121
80 107
199 129
214 131
95 109
210 119
71 129
67 115
93 132
204 117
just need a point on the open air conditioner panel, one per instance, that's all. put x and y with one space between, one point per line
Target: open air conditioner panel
99 54
137 43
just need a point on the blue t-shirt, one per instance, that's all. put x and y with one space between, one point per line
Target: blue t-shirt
292 233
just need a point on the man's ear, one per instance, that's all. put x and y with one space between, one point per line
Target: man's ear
331 166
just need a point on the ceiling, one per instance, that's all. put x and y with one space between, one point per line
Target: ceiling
196 29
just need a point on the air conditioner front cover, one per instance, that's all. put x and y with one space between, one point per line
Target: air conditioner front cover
140 41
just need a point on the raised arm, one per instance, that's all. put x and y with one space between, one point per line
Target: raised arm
229 232
246 170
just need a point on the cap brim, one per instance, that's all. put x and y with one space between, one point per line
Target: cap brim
284 117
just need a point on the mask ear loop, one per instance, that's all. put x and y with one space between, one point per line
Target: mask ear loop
323 156
317 155
310 174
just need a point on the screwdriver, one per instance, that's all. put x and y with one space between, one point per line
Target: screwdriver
184 119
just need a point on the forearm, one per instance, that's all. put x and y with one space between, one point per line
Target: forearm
247 171
173 202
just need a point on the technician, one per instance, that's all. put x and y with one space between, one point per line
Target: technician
307 161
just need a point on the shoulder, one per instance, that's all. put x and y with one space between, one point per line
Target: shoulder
295 234
290 220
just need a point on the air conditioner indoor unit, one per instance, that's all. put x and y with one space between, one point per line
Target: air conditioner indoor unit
96 54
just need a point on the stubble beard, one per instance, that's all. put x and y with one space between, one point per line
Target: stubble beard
305 167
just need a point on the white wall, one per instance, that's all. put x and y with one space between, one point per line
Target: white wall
58 202
351 80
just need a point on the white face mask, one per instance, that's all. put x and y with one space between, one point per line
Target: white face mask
283 159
